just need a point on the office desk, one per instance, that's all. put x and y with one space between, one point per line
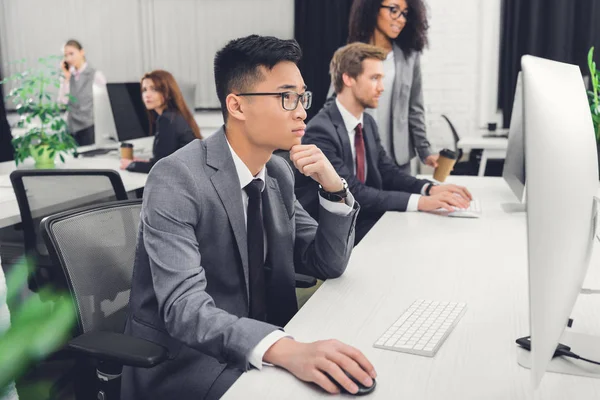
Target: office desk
493 148
9 209
408 256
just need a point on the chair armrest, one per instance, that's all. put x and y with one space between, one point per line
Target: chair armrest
305 281
119 348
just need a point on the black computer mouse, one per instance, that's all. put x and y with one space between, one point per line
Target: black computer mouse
362 389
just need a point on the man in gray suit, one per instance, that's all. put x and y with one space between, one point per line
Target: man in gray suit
350 140
222 235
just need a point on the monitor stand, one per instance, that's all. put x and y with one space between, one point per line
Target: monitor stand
586 346
513 208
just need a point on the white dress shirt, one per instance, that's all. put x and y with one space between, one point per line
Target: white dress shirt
350 122
245 177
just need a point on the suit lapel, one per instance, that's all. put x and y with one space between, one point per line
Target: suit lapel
340 128
227 185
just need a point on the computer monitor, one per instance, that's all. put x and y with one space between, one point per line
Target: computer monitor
104 122
562 180
128 109
514 163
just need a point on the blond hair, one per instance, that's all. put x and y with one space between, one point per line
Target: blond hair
348 60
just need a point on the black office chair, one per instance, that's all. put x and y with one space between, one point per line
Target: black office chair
95 248
43 192
470 167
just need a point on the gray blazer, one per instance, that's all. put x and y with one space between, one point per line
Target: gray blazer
409 135
190 279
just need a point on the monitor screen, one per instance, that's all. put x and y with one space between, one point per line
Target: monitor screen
129 112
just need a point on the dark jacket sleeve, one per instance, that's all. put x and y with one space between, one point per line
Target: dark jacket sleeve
322 133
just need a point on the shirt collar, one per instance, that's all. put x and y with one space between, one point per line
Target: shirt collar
350 121
243 173
78 72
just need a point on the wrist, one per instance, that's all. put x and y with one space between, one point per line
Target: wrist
431 190
280 352
336 186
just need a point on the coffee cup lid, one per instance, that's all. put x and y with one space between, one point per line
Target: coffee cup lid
447 153
126 144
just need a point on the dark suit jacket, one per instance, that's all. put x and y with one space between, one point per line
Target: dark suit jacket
190 280
387 188
171 132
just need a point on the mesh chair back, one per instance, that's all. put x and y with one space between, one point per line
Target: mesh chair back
95 247
45 192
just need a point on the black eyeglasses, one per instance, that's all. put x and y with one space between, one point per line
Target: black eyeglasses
395 12
289 100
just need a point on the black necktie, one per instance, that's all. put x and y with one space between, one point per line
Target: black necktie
256 246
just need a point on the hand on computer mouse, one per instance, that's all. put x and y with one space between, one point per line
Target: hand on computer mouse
362 389
311 362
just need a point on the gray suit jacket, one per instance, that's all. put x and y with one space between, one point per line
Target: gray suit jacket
190 280
409 135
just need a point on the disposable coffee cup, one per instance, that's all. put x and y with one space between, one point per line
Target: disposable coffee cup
127 151
446 162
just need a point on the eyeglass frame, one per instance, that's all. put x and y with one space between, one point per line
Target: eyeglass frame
404 13
282 94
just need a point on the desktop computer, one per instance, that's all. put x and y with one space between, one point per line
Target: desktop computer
514 163
562 180
128 110
119 115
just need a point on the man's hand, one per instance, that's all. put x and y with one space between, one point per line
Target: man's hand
460 190
310 361
446 200
311 161
431 160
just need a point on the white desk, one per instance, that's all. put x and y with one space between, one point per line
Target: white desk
415 255
493 148
9 209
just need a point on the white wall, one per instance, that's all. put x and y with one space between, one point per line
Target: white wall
460 67
126 38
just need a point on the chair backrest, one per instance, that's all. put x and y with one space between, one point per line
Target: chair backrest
44 192
188 90
454 136
95 247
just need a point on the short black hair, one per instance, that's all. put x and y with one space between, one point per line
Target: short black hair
237 64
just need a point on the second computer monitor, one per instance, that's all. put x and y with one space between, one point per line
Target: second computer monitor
562 180
514 164
128 109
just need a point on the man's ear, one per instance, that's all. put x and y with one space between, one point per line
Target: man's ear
348 80
235 107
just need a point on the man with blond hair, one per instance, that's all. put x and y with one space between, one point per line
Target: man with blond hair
349 139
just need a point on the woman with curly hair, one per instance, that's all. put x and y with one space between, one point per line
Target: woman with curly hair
400 28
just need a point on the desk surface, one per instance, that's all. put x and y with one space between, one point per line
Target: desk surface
9 209
480 142
408 256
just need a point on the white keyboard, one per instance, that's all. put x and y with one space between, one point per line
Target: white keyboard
474 210
422 328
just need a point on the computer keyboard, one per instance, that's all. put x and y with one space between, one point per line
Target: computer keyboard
474 210
422 328
95 152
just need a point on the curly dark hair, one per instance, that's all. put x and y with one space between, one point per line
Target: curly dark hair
363 20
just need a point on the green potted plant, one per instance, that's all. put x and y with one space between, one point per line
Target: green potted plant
34 101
